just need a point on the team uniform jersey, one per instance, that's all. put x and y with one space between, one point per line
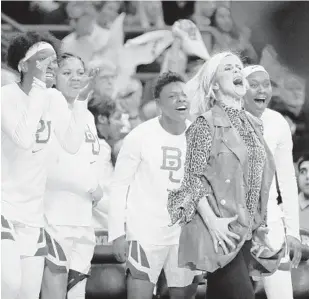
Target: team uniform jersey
70 180
27 122
278 137
150 163
68 202
100 212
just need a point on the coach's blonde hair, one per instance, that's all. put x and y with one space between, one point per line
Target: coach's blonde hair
200 88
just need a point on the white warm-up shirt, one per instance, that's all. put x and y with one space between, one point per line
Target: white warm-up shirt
27 122
278 137
72 178
150 163
100 211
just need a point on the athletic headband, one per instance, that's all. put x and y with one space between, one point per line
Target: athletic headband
247 71
33 50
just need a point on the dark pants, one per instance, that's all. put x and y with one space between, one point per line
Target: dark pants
233 280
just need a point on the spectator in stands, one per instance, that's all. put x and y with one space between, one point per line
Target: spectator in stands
105 81
108 12
203 12
176 10
151 14
226 36
303 184
88 37
109 123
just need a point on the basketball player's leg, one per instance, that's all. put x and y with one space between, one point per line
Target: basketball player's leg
10 261
144 265
56 268
80 262
180 281
32 246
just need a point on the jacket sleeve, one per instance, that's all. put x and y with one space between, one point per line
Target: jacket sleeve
182 203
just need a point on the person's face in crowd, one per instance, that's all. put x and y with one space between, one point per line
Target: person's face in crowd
81 21
303 178
258 94
207 8
69 78
229 80
173 102
48 56
223 19
105 82
109 11
294 95
112 126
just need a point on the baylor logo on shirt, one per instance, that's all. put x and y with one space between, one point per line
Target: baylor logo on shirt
42 134
91 138
171 161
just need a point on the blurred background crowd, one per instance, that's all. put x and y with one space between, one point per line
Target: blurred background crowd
130 42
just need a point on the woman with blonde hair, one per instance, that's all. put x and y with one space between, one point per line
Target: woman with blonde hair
223 197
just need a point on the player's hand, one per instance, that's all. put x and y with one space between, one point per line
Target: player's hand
221 235
88 85
97 195
260 243
294 245
120 249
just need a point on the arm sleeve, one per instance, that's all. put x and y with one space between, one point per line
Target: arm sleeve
182 203
127 164
69 124
20 124
287 180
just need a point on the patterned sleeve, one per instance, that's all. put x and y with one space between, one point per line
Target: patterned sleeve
182 202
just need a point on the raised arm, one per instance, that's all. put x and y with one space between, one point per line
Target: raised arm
19 122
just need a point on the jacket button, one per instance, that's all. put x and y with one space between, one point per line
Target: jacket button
228 181
223 202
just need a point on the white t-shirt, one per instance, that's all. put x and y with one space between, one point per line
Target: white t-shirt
278 137
27 122
71 178
100 212
150 162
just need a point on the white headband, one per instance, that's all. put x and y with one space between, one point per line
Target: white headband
247 71
33 50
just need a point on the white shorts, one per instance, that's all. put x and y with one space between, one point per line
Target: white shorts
69 247
146 262
29 240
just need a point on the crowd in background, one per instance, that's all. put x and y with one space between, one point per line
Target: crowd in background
94 36
124 100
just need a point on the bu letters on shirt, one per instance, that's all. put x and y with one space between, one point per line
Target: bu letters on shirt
91 138
171 161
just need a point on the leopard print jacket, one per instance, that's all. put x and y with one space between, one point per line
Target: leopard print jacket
182 202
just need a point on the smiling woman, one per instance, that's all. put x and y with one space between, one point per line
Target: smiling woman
223 196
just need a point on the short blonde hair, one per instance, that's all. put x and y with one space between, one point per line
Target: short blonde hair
200 88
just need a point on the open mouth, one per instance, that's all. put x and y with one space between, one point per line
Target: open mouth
181 108
260 100
238 81
50 75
